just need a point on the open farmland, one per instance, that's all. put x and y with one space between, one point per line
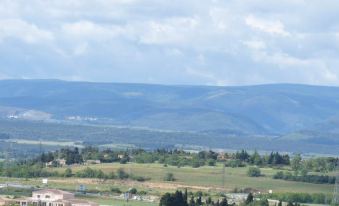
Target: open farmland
204 178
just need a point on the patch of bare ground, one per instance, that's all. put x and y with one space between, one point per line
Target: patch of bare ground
130 183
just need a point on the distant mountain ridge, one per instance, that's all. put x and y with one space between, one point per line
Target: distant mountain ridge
279 110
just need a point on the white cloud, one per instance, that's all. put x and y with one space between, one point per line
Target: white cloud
80 49
86 30
169 31
212 78
27 32
330 76
268 26
254 44
220 42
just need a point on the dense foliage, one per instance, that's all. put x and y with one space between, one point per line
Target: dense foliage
316 198
34 170
317 179
273 158
254 172
175 157
180 198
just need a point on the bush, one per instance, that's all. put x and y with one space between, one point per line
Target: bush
121 174
254 172
211 162
133 191
195 164
169 177
123 160
115 190
140 178
68 173
234 163
142 192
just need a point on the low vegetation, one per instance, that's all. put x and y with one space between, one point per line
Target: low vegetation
317 179
254 172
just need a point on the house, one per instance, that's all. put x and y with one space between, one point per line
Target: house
56 163
51 164
53 197
222 156
61 162
5 201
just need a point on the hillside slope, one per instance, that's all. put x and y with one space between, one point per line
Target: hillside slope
281 111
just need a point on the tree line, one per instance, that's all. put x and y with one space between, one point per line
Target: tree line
316 179
182 158
180 198
31 169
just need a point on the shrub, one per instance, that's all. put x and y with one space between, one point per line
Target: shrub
133 191
211 162
254 172
234 163
115 190
123 160
121 174
68 173
140 178
169 177
142 192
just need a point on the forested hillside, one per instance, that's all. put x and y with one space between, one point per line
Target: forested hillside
228 117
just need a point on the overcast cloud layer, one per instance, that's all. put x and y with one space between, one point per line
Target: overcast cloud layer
171 42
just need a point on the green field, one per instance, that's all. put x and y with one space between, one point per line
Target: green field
205 178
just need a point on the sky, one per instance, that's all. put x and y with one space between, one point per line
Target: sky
197 42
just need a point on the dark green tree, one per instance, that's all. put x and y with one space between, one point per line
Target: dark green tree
224 202
249 199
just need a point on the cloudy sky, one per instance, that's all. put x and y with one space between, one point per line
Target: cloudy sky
207 42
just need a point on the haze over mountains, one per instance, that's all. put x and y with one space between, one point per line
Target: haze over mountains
306 115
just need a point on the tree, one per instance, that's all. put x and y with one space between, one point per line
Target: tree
242 155
256 159
296 163
192 201
208 201
253 172
280 203
249 199
176 199
218 203
166 200
186 195
290 203
199 201
224 202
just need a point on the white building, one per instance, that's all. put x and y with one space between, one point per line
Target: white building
53 197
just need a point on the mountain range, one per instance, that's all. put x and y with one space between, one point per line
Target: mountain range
306 115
